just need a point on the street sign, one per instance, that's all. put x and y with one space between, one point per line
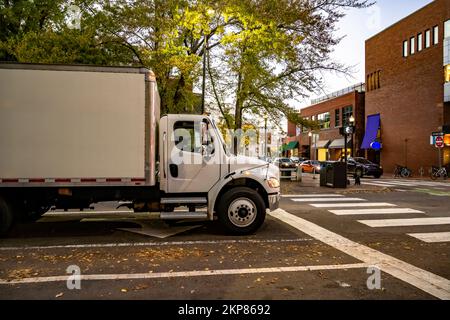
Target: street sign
439 142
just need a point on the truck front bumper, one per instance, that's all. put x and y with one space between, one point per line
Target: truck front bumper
274 201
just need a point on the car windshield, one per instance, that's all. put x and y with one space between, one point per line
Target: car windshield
285 160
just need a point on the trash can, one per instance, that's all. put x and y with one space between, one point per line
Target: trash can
334 175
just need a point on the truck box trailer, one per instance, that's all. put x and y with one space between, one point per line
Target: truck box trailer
71 136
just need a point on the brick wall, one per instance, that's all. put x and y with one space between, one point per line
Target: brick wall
410 99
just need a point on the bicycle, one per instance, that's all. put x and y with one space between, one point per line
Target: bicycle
401 171
439 173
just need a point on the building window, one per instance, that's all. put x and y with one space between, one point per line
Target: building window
447 73
374 81
412 45
405 49
447 29
347 112
324 120
427 38
337 118
419 42
435 35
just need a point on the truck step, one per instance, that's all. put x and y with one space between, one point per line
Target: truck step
197 200
183 215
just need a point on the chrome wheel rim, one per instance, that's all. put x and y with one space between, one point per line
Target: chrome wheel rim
242 212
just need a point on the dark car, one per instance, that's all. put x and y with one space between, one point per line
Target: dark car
284 163
298 160
363 167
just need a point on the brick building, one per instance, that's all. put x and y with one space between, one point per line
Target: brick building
407 70
332 112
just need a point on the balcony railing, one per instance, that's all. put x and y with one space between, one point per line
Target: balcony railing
361 87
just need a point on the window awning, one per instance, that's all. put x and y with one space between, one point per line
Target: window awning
340 144
291 145
373 123
322 144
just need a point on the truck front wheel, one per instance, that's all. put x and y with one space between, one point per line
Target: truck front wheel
241 211
6 216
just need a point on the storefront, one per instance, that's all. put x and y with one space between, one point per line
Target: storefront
337 149
321 148
290 149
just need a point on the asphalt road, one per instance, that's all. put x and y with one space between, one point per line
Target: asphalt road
317 246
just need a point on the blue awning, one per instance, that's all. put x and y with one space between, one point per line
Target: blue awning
373 123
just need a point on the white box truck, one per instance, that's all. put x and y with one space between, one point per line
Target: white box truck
72 136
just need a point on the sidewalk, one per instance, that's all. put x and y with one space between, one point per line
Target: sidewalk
311 185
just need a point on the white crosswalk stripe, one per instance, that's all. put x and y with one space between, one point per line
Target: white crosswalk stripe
434 237
405 222
373 211
340 205
327 199
312 195
406 183
352 205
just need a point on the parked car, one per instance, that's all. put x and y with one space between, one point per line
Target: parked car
363 167
298 160
310 166
284 163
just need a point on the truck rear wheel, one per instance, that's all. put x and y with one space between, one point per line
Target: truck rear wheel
6 217
241 211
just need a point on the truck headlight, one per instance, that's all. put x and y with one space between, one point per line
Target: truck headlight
274 183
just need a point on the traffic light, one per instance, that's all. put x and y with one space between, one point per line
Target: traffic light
346 130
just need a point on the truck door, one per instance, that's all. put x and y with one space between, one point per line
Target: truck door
194 163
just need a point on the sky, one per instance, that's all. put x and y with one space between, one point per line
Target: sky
357 26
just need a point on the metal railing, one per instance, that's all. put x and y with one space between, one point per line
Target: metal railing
360 87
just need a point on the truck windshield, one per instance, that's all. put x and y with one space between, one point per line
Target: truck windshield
222 140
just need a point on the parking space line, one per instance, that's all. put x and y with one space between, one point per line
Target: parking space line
373 211
432 237
327 199
155 244
186 274
405 222
352 205
419 278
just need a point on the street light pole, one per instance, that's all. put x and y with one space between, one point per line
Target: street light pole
352 121
310 149
265 135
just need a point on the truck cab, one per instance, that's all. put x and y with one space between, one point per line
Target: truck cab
197 170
